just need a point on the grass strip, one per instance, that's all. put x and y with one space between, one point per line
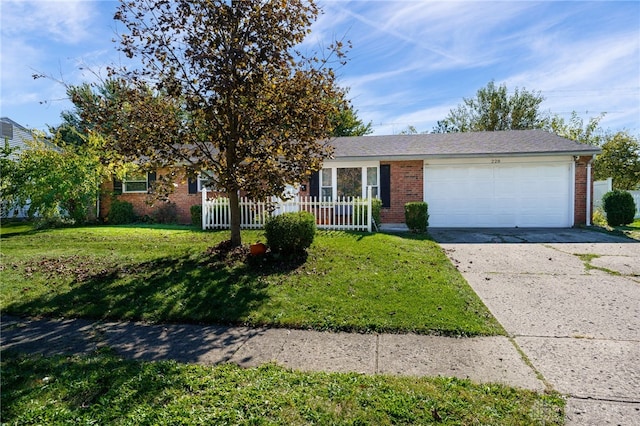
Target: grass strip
104 389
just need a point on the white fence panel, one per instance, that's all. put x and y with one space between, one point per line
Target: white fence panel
636 198
345 213
600 187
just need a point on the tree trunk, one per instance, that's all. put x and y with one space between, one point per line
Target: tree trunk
234 209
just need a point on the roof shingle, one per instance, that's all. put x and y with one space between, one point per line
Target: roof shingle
471 144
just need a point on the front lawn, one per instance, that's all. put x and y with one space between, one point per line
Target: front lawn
349 282
103 389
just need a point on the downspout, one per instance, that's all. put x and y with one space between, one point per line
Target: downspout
589 190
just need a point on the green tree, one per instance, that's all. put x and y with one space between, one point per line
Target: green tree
576 129
55 181
620 157
221 88
8 178
620 160
347 123
494 109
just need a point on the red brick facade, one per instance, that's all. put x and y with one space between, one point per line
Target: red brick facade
144 205
407 179
580 191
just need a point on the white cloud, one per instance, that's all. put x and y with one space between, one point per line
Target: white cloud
64 21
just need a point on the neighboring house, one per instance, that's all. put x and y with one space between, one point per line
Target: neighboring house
525 178
18 137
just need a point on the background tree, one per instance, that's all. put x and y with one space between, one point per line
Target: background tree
620 160
221 89
347 123
576 129
620 157
493 109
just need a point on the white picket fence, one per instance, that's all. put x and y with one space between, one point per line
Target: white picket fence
345 213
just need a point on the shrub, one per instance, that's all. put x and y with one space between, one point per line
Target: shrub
166 213
416 216
599 218
196 215
290 233
619 207
120 212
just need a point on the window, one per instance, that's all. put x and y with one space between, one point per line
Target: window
372 180
205 182
349 180
326 186
135 182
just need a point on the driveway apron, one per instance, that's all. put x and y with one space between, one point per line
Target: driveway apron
570 299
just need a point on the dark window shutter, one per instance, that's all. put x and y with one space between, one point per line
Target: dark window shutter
151 178
314 184
117 186
193 185
385 185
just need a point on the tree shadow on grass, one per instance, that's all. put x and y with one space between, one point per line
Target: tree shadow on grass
169 289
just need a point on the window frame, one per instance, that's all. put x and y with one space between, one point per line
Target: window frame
362 165
201 185
127 179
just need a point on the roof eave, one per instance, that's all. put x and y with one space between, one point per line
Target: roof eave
414 157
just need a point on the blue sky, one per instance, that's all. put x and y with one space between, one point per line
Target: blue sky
411 61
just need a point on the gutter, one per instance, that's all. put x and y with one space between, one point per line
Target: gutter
588 216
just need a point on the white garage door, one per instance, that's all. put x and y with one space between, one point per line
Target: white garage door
499 195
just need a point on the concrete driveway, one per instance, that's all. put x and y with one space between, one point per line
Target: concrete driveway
570 298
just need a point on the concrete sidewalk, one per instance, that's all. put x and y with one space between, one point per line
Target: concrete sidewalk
485 359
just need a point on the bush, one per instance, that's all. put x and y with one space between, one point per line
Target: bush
120 212
196 215
166 213
290 233
416 216
619 207
599 218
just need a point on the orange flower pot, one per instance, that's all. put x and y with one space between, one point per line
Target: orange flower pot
257 249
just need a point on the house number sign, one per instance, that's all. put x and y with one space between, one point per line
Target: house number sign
495 161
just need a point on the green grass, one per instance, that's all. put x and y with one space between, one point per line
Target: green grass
349 282
631 230
103 389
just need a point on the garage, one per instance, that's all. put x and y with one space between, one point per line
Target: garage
500 192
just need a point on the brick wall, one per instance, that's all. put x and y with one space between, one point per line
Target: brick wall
580 201
141 202
406 185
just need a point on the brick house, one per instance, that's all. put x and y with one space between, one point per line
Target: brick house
523 178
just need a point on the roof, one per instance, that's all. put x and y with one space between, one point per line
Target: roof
451 145
18 136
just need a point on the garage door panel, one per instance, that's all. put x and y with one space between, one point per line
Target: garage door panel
499 195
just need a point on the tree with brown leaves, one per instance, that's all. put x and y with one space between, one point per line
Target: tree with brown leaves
222 88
